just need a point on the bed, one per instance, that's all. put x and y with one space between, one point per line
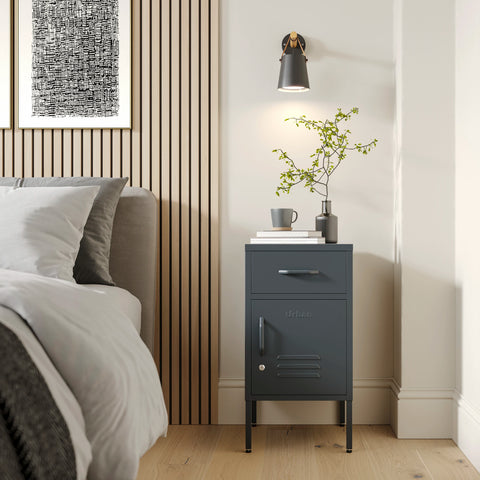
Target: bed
92 346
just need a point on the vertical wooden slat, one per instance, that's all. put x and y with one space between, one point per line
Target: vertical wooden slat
146 95
38 153
165 269
136 93
57 153
126 158
97 152
175 209
67 162
185 208
204 213
77 167
106 153
66 157
172 150
87 153
214 209
18 153
27 153
116 153
195 212
155 143
48 153
8 153
17 140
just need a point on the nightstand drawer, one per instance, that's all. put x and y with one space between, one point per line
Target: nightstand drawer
298 272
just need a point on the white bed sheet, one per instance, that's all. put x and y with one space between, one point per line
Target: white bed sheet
94 347
124 300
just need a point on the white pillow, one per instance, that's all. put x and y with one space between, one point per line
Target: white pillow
41 228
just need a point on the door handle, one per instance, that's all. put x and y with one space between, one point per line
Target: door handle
298 272
261 335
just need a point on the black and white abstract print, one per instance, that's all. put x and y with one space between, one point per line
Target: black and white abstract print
75 58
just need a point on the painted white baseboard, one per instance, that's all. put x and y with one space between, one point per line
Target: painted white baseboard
422 412
371 405
466 418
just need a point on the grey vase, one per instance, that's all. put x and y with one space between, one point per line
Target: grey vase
327 222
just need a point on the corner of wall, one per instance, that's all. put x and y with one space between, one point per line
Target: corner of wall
466 434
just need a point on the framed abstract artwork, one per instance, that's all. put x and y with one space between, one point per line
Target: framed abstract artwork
5 65
74 64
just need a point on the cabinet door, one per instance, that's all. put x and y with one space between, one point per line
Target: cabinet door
299 347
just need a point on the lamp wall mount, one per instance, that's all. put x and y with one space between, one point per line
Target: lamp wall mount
291 41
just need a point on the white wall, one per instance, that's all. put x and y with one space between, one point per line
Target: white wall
399 206
467 407
350 51
425 323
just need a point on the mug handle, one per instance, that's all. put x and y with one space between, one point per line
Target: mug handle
296 216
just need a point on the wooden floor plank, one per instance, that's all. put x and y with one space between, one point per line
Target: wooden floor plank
230 461
198 445
215 452
444 460
391 458
331 460
288 453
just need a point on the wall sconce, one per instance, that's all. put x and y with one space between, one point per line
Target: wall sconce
293 68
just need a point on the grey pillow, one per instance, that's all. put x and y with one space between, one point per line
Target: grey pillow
9 181
92 264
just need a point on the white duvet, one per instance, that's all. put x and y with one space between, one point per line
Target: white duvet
113 404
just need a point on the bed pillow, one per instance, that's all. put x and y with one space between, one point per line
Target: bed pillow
41 228
9 181
92 264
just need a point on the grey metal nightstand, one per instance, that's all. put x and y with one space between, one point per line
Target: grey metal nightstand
298 327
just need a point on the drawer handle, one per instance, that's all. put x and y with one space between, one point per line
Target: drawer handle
298 272
261 334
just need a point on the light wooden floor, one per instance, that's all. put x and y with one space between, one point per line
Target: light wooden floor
300 452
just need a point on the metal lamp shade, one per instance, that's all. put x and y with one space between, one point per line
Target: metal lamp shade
293 72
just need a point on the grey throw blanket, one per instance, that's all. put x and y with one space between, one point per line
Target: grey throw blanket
35 441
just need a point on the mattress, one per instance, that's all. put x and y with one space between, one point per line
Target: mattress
124 300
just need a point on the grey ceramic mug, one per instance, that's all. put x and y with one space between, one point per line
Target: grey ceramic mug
283 217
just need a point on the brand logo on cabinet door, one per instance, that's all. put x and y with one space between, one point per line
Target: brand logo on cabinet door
297 314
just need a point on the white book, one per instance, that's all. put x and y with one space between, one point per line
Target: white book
289 233
291 240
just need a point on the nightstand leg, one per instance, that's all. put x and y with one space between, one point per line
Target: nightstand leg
341 417
349 426
254 413
248 426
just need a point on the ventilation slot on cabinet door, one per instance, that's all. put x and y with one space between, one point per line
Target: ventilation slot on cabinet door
299 366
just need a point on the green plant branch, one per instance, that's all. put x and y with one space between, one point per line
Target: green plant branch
332 151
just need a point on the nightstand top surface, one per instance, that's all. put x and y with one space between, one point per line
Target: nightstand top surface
326 247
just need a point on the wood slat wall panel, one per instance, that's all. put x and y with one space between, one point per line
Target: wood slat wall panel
171 150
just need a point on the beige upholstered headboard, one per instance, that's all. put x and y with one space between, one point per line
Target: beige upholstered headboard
133 253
